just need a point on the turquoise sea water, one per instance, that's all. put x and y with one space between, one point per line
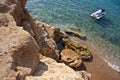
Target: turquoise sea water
104 34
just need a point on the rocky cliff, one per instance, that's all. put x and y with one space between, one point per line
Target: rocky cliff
18 49
22 43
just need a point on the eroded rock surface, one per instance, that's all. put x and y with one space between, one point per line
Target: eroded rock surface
48 46
70 58
75 32
19 52
77 44
49 69
22 40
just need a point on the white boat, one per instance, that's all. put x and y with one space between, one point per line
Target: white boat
98 14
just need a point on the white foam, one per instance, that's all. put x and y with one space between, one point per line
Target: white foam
113 66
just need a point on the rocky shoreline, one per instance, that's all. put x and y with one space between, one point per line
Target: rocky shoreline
33 50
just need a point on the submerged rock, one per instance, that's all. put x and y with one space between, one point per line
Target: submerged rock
75 32
76 41
70 58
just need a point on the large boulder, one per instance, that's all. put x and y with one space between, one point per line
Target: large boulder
79 46
18 53
49 69
70 58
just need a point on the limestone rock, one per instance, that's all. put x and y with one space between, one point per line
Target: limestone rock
79 46
26 26
24 2
4 7
48 46
3 20
77 42
75 32
50 70
85 75
53 32
18 53
70 58
21 40
23 18
33 25
86 55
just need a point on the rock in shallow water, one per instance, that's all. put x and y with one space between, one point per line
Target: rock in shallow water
75 32
80 47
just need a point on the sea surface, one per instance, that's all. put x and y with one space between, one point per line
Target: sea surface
104 34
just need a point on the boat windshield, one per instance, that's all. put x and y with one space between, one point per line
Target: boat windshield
103 10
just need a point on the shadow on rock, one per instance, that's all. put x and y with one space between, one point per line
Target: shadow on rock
41 69
82 67
90 60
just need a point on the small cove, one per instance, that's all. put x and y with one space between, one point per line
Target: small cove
104 34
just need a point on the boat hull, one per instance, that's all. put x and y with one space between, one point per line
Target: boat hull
98 14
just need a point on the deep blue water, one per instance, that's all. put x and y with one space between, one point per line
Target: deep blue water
103 33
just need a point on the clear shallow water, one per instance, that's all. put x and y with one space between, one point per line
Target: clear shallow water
104 34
